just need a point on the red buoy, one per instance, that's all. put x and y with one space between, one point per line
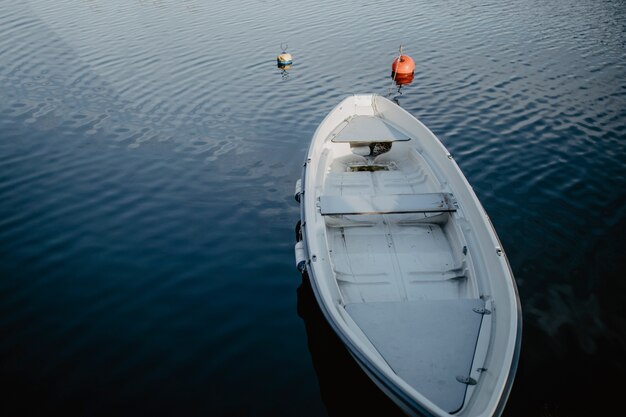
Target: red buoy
403 64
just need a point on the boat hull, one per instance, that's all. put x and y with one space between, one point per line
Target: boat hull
310 235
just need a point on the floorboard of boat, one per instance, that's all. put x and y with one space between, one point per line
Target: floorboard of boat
394 263
428 343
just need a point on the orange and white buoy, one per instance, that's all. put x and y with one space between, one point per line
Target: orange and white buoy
403 64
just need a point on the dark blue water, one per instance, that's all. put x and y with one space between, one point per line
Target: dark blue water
148 152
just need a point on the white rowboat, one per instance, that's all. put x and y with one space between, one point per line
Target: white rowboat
405 263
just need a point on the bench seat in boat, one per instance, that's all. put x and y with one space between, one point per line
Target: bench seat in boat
383 204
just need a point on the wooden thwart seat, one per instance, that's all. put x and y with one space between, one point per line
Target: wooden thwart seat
385 204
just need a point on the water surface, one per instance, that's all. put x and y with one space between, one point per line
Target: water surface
148 151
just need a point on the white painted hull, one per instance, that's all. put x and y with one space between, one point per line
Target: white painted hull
405 263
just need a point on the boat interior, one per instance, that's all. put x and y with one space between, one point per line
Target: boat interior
401 262
396 251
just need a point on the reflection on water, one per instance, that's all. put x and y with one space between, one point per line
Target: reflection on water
346 390
284 70
400 81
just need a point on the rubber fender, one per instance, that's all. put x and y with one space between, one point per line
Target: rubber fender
300 256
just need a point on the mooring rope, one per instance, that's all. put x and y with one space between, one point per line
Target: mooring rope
394 74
